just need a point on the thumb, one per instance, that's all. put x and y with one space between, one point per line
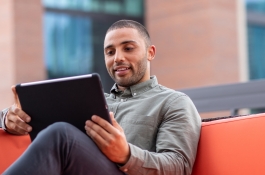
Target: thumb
114 122
16 96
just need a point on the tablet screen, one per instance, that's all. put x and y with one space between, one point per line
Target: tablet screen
72 99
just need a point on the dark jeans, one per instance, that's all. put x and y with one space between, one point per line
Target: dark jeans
63 149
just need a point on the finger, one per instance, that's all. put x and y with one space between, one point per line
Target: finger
16 119
20 113
14 123
16 129
95 130
94 135
103 123
15 96
114 122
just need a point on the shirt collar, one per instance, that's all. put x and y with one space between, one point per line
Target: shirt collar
135 89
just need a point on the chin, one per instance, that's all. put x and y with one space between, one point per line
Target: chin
121 82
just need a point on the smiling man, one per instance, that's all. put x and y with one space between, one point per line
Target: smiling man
127 55
155 129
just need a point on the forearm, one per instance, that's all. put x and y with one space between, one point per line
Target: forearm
151 163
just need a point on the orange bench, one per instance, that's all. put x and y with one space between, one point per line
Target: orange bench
230 146
234 146
11 147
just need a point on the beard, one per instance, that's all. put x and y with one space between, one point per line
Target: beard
137 73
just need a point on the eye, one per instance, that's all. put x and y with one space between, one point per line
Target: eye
128 48
110 52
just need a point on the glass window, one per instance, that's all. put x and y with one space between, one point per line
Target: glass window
125 7
256 5
112 7
68 45
256 44
74 32
256 38
134 8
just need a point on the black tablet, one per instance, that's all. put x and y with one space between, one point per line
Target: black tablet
72 99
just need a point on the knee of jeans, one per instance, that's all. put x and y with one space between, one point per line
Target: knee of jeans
60 125
56 128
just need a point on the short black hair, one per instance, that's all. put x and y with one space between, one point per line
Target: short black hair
132 24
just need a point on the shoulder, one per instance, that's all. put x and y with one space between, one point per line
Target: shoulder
179 106
171 92
175 99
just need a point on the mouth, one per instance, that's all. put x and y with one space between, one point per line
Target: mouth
121 70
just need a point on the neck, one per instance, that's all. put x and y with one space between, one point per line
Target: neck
121 88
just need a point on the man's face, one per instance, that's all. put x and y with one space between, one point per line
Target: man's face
126 57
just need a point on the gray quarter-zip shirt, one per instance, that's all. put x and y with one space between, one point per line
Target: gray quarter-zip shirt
162 127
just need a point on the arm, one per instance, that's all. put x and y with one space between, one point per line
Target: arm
176 143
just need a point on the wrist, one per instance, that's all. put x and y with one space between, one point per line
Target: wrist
126 157
4 113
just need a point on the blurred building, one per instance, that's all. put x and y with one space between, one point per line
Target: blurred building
199 43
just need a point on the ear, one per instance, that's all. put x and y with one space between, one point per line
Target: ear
151 51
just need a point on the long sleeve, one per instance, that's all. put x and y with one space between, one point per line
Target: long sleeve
176 143
2 118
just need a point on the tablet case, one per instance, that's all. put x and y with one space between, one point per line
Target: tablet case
73 100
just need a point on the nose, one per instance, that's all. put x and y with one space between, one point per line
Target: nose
119 57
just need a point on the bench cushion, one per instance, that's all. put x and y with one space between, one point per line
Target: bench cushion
228 146
232 146
11 147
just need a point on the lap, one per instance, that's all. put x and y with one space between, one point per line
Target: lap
63 149
81 149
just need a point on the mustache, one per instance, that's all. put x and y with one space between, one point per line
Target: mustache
120 64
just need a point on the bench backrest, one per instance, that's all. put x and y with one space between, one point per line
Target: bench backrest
232 146
228 97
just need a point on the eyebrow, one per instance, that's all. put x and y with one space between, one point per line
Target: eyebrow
124 42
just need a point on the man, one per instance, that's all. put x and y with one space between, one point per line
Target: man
155 130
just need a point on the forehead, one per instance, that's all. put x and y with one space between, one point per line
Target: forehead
118 36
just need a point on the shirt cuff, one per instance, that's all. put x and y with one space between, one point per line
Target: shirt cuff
135 161
4 113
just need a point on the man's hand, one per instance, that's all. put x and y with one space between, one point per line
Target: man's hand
110 139
16 119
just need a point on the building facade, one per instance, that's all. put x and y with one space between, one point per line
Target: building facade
199 43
